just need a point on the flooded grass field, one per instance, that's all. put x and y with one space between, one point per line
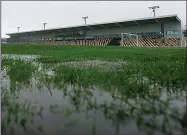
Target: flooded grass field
72 90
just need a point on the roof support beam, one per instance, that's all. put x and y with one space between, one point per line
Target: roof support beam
90 27
56 32
103 26
157 21
137 23
178 19
118 24
78 28
65 30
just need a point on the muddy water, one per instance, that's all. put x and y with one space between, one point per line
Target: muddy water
74 110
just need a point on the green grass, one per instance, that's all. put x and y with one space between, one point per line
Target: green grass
129 79
18 70
164 68
111 53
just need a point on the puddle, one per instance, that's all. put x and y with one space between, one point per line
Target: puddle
106 65
73 110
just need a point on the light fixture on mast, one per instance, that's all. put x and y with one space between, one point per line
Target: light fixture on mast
85 17
154 9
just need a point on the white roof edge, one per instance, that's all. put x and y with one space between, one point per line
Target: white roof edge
103 23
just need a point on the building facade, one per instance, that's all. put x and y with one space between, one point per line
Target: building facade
164 26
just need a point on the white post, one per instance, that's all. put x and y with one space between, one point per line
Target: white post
181 37
181 42
121 38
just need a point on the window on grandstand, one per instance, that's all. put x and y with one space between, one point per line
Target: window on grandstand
157 33
69 38
177 33
174 32
168 32
118 35
99 36
89 37
113 35
185 32
108 35
146 34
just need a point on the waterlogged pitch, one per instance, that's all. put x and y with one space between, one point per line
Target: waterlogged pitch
71 90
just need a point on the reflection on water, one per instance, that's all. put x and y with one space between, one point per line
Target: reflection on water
44 107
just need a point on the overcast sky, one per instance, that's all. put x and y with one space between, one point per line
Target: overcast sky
30 15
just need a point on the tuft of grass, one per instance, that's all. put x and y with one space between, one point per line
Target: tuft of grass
19 70
129 79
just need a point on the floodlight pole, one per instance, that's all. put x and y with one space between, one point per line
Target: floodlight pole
44 25
84 18
18 28
154 9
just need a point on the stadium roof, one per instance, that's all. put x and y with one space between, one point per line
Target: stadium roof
139 21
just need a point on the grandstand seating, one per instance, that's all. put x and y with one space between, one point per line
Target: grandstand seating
90 42
151 41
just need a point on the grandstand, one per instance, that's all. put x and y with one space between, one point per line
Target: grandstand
152 31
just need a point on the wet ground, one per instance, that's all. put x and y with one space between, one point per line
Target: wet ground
41 107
